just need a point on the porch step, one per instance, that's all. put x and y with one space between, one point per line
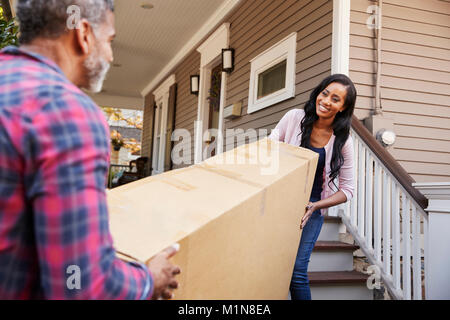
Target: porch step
332 219
330 229
339 285
334 246
332 256
336 277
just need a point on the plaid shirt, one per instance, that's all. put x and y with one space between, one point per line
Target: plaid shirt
54 156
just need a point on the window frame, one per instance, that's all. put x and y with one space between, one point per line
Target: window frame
285 49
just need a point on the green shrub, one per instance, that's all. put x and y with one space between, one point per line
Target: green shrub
8 31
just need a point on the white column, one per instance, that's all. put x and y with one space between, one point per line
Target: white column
341 37
210 50
437 264
220 136
201 124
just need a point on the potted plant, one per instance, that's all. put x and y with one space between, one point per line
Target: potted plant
116 140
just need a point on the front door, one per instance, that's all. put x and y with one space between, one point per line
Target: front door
214 107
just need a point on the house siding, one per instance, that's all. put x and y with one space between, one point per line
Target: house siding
186 106
255 26
415 79
187 103
260 25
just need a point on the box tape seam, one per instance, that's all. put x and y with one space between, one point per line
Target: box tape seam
228 174
170 180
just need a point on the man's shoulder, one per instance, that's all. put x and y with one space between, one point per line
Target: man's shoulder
14 65
30 87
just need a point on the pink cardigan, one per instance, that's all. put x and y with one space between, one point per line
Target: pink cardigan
288 130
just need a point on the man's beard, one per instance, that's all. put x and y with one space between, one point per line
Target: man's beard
96 68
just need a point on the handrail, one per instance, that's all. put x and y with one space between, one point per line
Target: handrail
389 162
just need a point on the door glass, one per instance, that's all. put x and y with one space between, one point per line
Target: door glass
214 97
214 104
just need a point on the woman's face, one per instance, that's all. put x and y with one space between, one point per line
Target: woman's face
331 100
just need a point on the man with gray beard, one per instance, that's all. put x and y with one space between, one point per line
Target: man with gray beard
55 241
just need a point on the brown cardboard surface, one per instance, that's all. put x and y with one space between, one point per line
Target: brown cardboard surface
238 229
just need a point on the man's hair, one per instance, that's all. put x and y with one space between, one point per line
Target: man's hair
48 18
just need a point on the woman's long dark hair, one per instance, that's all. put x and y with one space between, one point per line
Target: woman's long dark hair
341 124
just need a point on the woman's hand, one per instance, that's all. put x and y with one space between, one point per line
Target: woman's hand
334 200
310 208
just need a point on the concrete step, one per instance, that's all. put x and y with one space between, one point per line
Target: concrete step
339 285
330 229
332 256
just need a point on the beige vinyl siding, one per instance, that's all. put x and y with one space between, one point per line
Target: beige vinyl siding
187 103
147 136
415 81
255 26
185 109
260 24
148 125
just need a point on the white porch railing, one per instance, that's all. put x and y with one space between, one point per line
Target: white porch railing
387 223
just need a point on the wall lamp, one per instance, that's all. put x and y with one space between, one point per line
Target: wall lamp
386 137
228 60
195 81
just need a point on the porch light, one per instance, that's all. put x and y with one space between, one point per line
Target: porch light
386 137
195 80
228 60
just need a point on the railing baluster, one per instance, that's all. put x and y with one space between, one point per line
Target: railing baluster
406 248
361 189
386 224
417 270
369 198
427 252
395 236
349 211
348 208
377 212
355 174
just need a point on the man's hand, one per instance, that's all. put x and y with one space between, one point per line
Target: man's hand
164 273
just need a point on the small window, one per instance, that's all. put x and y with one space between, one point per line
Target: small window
272 76
272 80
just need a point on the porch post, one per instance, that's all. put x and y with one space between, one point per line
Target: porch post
341 37
437 255
210 51
220 135
200 123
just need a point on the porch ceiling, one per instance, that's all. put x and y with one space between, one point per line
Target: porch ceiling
147 40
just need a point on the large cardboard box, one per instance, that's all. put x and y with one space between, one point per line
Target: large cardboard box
236 216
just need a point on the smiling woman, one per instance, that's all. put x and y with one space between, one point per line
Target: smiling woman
323 127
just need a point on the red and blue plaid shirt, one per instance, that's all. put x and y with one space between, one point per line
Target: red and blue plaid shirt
54 156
